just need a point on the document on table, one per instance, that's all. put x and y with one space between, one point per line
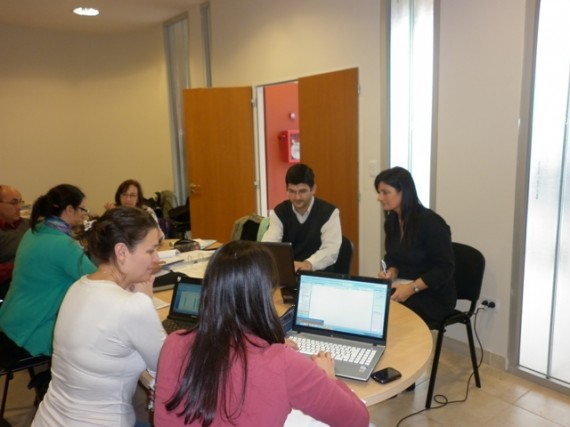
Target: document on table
194 264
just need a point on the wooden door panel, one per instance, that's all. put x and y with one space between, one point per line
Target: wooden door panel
220 158
328 119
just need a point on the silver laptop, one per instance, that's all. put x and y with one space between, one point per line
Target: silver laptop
185 304
346 315
283 254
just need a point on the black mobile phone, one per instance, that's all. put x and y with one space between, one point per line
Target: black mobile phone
386 375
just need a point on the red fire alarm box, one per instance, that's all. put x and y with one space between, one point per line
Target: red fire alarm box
290 145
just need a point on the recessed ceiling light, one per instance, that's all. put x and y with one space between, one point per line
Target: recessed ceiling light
86 11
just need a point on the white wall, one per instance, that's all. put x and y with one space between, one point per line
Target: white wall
83 109
481 56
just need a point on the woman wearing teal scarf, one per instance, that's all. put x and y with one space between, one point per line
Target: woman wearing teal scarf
48 261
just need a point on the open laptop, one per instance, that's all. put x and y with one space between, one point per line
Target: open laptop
184 306
283 254
334 309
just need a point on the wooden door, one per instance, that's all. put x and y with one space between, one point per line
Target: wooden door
328 119
220 159
221 155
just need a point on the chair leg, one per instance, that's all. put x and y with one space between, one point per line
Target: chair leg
434 367
9 376
473 353
40 383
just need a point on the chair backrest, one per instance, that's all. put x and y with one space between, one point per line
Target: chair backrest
167 201
469 270
263 226
246 227
343 263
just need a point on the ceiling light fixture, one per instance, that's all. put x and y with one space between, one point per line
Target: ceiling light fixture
86 11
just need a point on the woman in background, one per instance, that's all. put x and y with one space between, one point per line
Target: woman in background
419 256
108 331
234 369
130 193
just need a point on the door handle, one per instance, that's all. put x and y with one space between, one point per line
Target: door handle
193 187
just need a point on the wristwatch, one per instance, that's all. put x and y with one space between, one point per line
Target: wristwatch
415 287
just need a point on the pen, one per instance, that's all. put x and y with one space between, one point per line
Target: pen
384 267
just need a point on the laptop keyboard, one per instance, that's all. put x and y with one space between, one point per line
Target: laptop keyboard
171 325
340 352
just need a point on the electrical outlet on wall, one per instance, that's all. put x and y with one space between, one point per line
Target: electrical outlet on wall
488 303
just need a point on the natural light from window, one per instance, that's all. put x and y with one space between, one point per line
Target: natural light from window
544 345
411 89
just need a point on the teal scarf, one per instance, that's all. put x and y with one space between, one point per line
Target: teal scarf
57 223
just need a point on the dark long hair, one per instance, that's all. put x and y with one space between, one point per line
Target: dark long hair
54 203
123 224
124 187
236 299
401 179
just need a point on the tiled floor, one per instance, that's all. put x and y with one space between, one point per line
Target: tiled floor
504 401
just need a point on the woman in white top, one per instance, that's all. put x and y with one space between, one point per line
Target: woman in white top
107 331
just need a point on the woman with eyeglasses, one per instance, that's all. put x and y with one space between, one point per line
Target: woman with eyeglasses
130 193
48 260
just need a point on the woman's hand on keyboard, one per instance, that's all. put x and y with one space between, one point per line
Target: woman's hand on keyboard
325 361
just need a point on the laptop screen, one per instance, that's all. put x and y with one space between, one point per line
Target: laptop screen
283 254
186 298
345 304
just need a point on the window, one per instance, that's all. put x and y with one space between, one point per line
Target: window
177 60
411 89
544 349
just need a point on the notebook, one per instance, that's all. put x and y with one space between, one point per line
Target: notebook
184 306
283 254
335 309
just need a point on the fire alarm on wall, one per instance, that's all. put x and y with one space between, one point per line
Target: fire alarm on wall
290 145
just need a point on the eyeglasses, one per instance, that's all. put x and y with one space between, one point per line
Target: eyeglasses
82 209
14 202
301 192
129 195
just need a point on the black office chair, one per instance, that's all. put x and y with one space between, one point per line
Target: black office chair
343 263
469 269
28 364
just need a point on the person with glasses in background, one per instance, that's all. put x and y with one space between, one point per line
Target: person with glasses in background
48 261
130 193
12 229
312 225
